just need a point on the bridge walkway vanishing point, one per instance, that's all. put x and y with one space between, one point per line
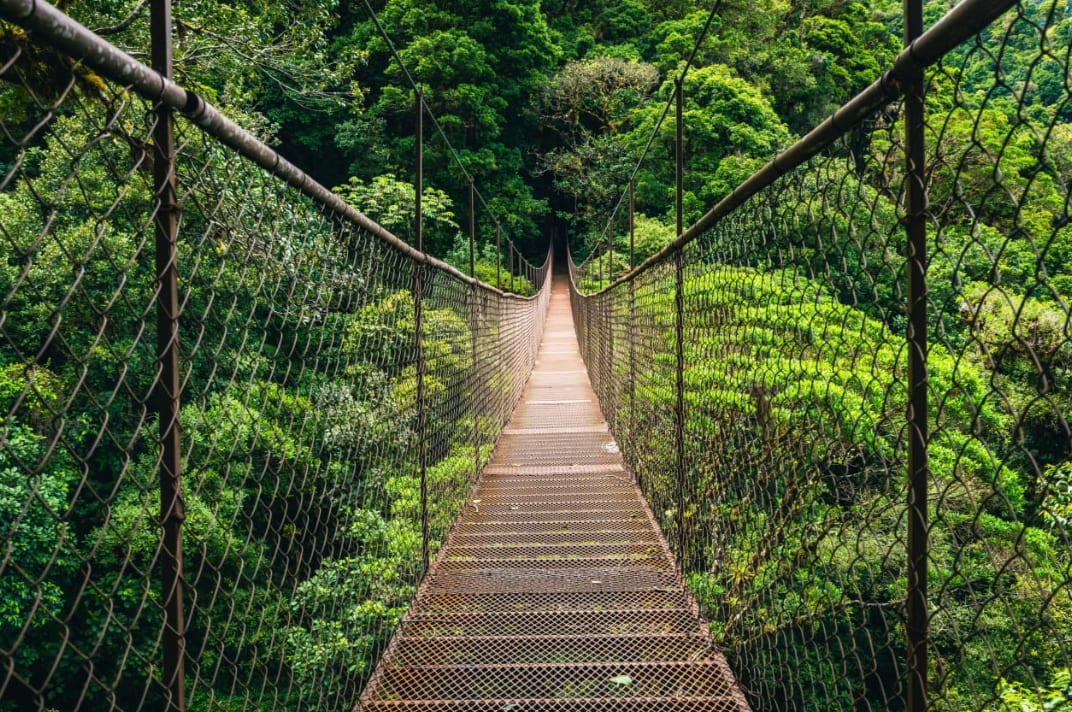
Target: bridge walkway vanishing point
555 589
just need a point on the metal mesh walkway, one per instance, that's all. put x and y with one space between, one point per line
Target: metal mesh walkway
555 590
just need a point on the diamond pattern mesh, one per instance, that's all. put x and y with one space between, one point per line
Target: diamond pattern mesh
555 590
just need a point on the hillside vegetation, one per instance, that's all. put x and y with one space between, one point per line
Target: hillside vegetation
299 425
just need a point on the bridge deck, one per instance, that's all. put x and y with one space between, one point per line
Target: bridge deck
555 589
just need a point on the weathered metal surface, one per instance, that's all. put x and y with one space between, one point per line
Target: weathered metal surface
555 589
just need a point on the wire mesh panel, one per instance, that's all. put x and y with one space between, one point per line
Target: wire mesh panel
790 511
554 590
301 425
79 363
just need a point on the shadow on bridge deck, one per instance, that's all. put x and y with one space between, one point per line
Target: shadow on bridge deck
555 589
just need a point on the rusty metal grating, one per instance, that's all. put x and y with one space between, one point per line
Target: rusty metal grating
636 704
561 680
555 589
538 580
493 650
549 602
526 624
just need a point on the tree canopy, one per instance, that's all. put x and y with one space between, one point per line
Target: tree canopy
548 105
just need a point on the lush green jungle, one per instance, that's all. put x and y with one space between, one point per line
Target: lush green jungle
300 444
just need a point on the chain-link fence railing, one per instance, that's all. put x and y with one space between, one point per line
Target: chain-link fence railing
758 377
331 390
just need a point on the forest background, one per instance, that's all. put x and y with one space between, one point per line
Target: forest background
547 104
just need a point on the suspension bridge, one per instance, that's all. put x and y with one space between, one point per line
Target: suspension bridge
555 589
259 452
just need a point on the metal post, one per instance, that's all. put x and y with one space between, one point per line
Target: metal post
590 341
473 328
498 255
918 466
610 250
632 313
472 227
172 508
608 319
679 153
418 298
500 305
614 382
510 247
594 369
632 222
599 261
679 331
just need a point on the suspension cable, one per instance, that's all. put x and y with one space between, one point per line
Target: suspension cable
439 128
658 125
425 107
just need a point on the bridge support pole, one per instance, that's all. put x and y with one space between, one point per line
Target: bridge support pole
679 325
632 223
473 330
500 402
632 316
679 154
917 623
472 227
586 342
610 250
600 264
608 320
418 298
172 509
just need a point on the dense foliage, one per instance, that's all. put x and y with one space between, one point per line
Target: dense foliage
794 511
795 365
548 104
